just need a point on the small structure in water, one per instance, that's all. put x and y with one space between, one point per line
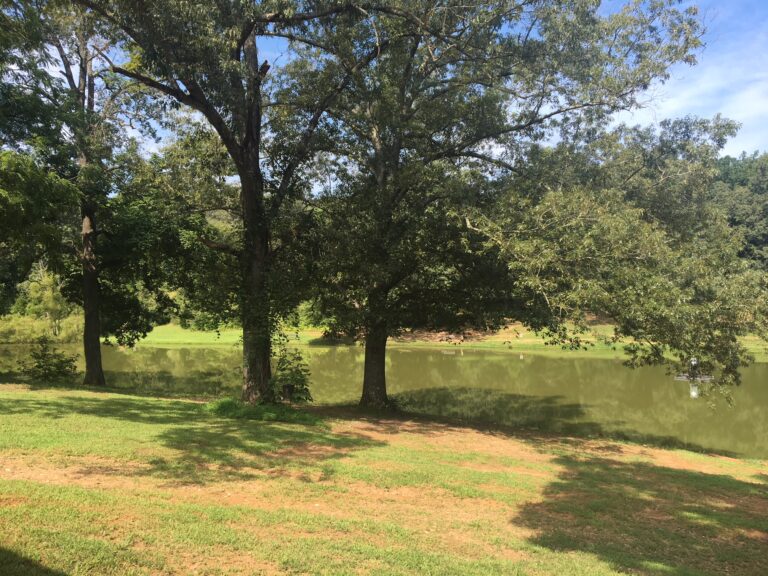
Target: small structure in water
693 378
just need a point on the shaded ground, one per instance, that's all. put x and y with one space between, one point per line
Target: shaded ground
11 564
114 484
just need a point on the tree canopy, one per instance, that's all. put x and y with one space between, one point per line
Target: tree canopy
34 209
630 228
421 134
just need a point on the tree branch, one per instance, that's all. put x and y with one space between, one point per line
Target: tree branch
303 146
219 246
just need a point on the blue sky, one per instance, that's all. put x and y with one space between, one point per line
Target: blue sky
731 77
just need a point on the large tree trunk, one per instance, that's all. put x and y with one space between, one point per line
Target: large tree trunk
255 299
94 374
374 375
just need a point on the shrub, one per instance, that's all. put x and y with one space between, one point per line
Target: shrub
291 378
46 364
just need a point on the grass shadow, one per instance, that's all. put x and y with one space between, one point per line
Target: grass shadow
648 519
194 384
204 447
548 416
12 564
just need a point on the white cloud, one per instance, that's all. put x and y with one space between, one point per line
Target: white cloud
730 79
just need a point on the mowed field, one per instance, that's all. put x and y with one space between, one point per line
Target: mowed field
102 483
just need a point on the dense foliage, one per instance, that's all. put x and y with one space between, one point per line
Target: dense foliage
742 187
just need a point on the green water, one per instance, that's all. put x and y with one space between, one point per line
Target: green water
574 396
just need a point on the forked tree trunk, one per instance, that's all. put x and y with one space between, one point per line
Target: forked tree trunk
94 373
255 299
374 374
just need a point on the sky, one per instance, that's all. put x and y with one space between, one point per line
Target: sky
731 77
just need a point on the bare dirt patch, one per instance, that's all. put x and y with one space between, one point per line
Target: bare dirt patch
9 501
444 437
89 472
229 561
755 535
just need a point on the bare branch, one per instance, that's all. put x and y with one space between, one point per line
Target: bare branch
66 63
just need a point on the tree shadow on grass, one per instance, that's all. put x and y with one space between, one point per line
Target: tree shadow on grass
488 406
211 383
12 564
644 518
204 447
545 416
434 409
244 449
140 410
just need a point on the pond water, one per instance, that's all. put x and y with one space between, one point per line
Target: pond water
574 396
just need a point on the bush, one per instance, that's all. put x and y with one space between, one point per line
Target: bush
234 408
291 378
48 365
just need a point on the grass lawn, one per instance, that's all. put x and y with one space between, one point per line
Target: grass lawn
101 483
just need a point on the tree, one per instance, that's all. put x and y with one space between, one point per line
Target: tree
419 267
58 78
742 187
206 56
34 209
68 112
464 97
628 227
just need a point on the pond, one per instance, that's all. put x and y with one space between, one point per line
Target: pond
571 395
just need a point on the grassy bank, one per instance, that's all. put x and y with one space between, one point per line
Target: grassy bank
516 339
98 483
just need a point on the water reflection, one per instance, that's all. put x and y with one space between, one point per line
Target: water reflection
564 395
